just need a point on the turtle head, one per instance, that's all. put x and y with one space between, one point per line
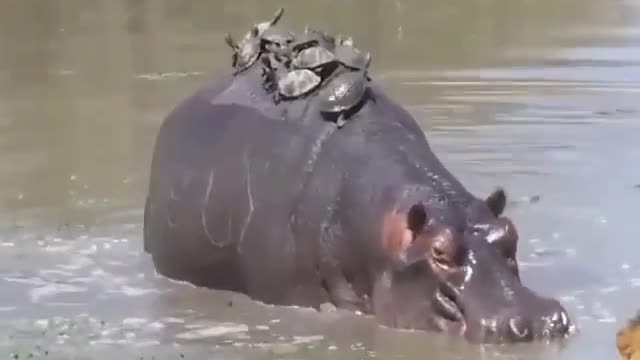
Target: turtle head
277 16
229 40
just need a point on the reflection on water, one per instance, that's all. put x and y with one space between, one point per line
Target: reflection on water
537 96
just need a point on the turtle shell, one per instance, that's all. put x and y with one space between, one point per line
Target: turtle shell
352 58
311 38
343 92
304 42
298 82
277 35
313 57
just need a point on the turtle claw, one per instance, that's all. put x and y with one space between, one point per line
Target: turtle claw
340 121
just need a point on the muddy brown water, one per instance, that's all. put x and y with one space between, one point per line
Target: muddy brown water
541 97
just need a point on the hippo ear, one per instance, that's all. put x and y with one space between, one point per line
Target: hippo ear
416 217
400 230
416 249
497 201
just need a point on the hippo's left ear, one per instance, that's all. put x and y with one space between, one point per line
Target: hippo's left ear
497 201
416 217
413 247
400 229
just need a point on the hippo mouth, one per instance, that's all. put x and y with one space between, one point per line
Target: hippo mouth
451 316
509 325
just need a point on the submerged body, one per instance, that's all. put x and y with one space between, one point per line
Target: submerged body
271 200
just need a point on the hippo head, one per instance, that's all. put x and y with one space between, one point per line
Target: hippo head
461 277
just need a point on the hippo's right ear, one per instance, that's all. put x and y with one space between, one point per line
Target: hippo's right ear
497 201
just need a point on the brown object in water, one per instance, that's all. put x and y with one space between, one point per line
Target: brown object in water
628 339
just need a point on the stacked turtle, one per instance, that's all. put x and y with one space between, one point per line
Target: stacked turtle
313 63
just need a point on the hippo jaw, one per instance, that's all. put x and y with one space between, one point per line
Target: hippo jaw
462 282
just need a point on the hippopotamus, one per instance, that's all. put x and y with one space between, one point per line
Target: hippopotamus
272 200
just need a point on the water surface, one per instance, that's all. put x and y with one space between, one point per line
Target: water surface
540 97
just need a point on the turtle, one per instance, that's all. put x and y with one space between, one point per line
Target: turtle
296 83
310 38
246 52
313 58
342 93
276 39
352 58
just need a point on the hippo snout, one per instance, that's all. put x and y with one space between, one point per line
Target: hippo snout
522 324
555 322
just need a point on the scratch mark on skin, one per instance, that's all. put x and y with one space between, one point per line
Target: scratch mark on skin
203 215
229 226
172 193
316 148
251 206
170 222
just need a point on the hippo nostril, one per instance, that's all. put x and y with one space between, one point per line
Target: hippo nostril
557 323
519 327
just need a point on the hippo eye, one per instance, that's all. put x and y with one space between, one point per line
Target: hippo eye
439 255
441 258
445 251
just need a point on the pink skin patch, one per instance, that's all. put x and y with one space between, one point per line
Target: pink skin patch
396 236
